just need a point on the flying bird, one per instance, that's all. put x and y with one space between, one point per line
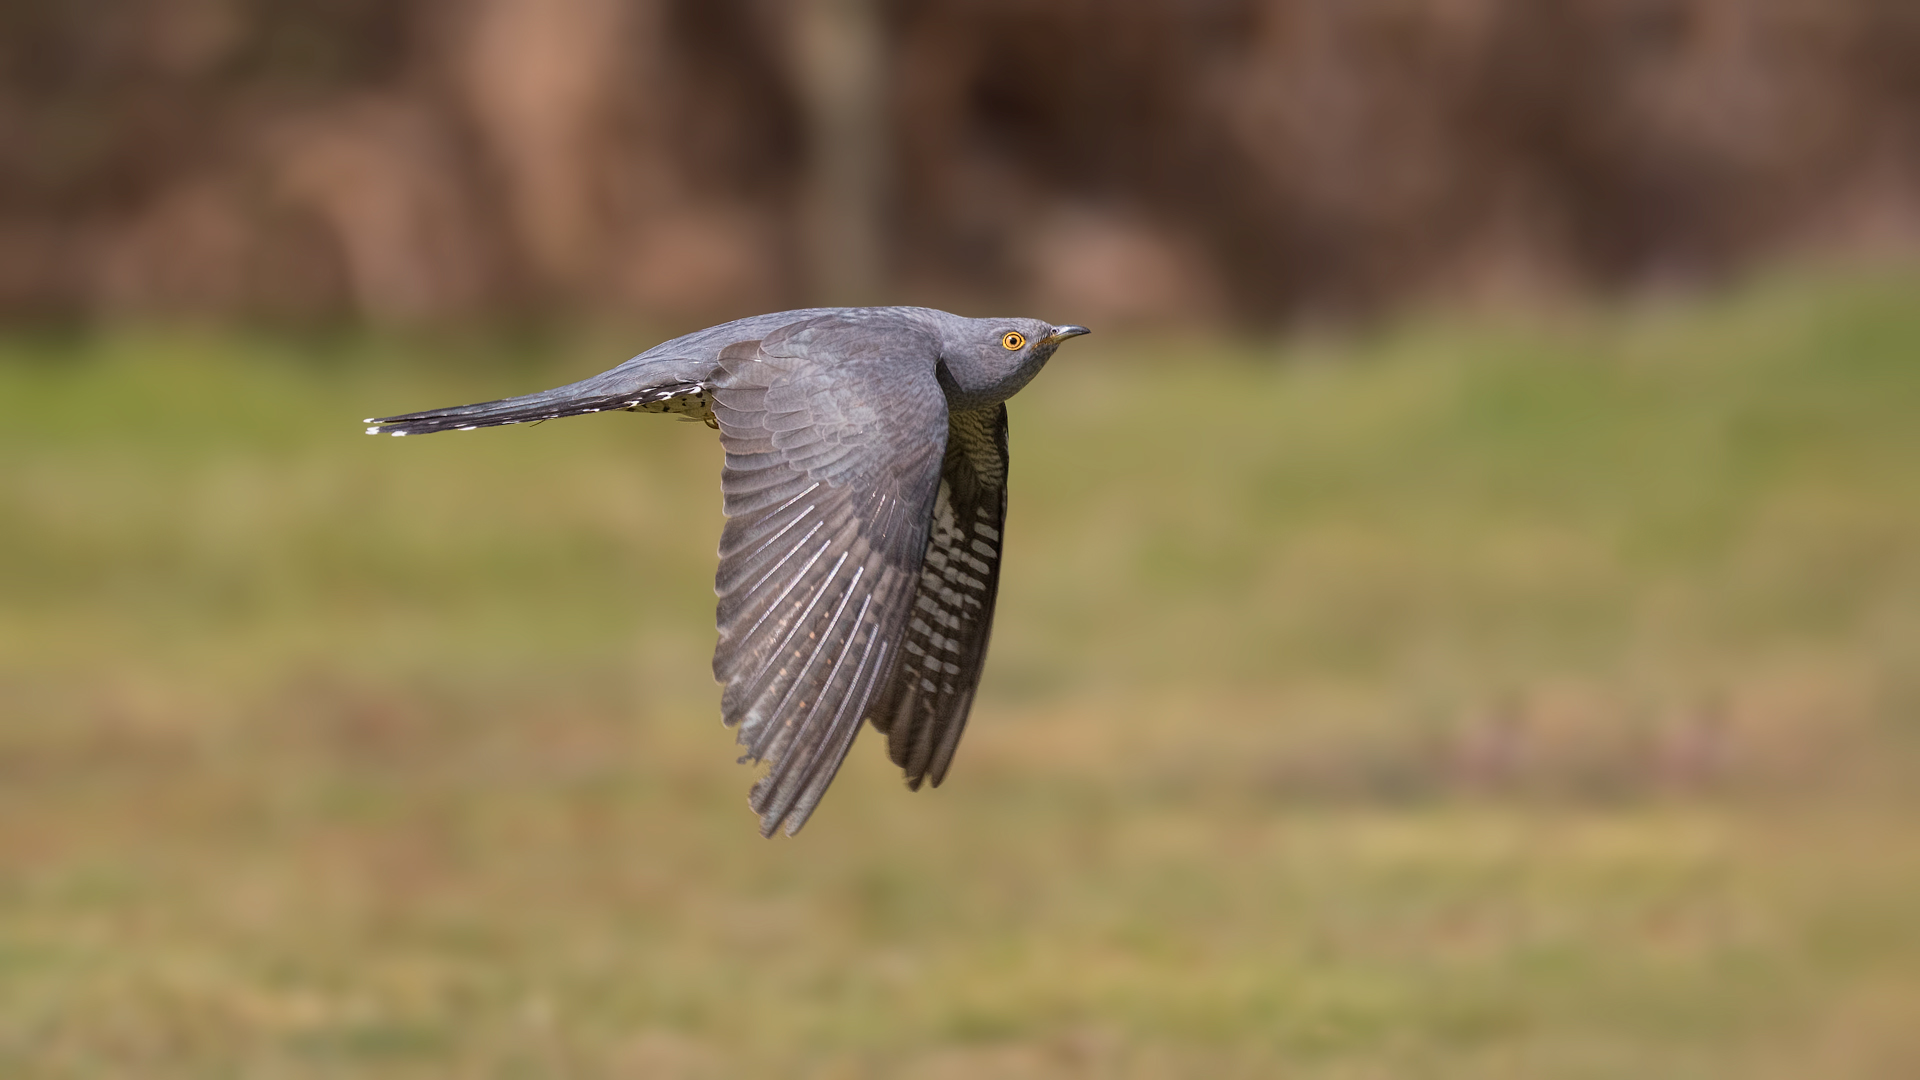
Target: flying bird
865 490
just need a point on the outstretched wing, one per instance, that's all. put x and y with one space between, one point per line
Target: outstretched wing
924 707
835 429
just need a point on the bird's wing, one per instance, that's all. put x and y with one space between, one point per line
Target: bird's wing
834 432
923 708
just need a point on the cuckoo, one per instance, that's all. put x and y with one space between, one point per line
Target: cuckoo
865 492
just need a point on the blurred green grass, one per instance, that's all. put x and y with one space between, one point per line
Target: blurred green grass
1465 700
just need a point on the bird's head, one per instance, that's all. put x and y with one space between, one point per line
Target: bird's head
986 361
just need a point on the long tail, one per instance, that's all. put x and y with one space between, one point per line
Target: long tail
575 400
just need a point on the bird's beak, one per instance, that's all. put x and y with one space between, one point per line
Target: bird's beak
1062 333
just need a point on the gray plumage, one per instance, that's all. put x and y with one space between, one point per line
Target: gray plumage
865 494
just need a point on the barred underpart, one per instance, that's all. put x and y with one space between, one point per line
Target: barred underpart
923 709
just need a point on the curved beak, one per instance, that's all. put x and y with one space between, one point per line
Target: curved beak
1062 333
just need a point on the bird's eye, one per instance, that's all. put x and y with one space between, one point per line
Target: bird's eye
1013 340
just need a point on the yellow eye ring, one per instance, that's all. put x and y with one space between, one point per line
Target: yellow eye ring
1014 340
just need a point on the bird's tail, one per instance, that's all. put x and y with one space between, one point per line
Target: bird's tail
575 400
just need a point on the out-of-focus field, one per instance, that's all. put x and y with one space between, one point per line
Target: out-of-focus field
1467 701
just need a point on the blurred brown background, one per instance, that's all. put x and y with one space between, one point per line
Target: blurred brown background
430 160
1526 687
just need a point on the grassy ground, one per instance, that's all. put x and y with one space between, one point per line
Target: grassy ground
1460 702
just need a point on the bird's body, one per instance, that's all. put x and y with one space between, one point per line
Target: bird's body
865 494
